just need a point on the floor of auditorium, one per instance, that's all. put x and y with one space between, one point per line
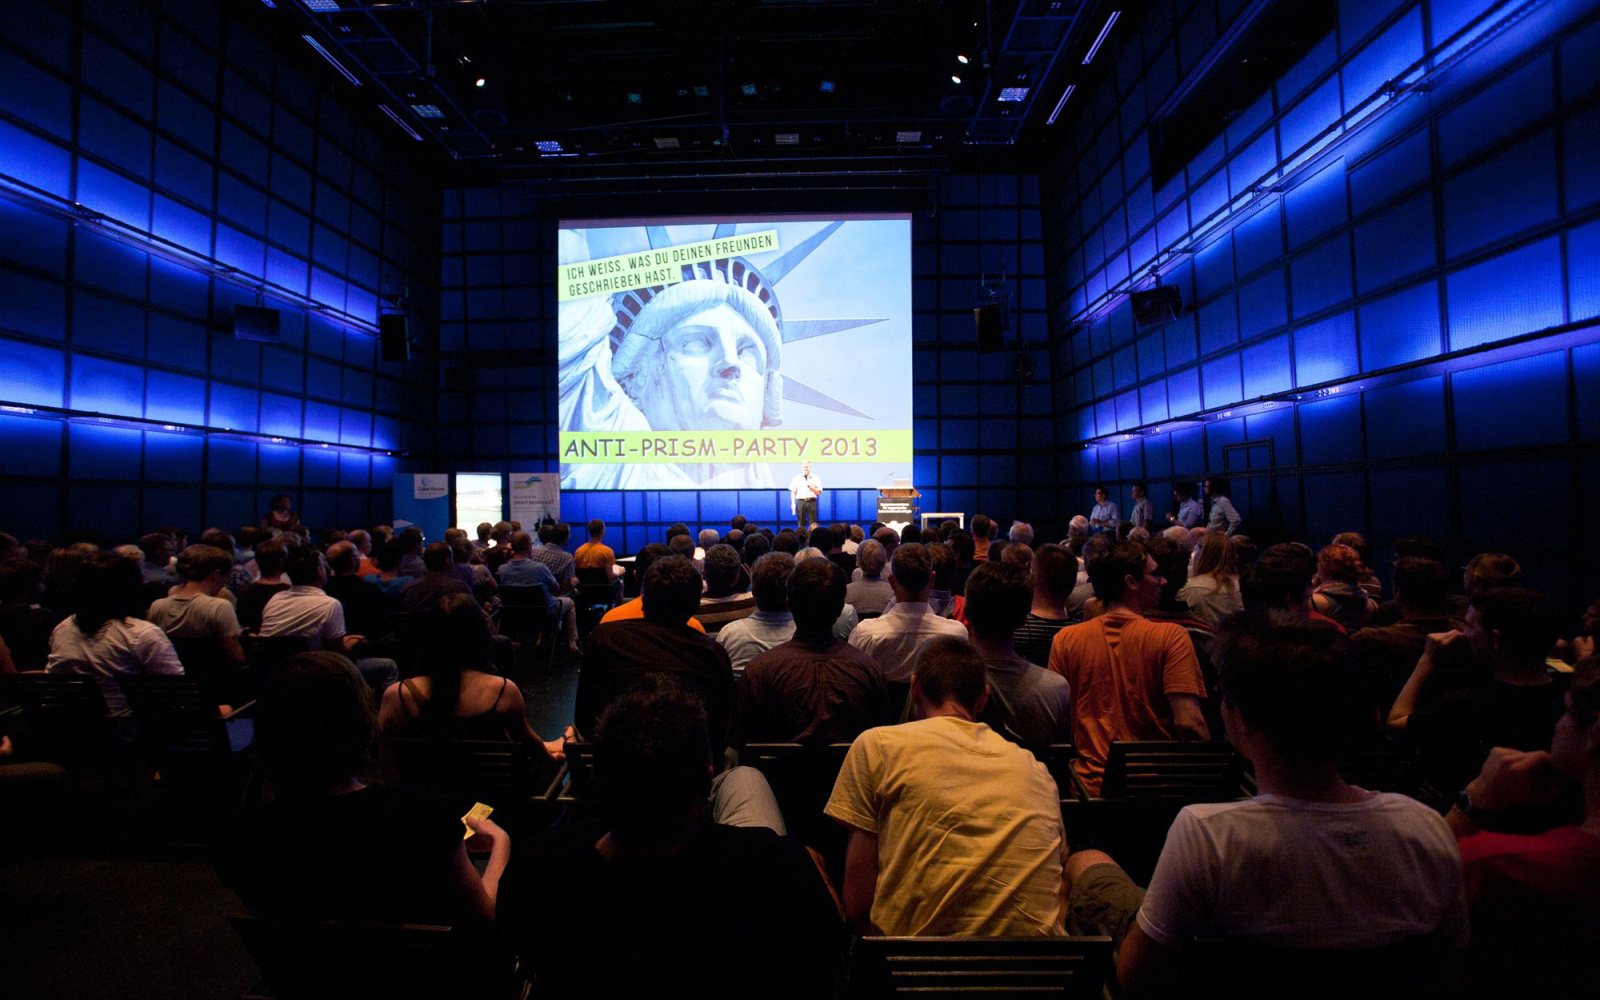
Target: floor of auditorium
151 923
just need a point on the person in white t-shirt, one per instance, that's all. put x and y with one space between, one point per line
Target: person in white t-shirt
106 639
1311 862
803 492
305 611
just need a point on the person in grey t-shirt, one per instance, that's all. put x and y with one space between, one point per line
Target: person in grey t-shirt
194 611
1028 704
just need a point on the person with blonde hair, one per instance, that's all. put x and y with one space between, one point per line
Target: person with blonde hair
1212 592
1338 592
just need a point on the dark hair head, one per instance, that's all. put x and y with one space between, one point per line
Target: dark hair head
1017 554
769 581
314 723
1173 565
1487 570
304 566
942 563
108 588
1525 619
597 528
1185 491
931 537
1421 583
998 599
1219 486
1293 680
343 557
911 535
722 570
409 540
560 533
270 557
1356 541
821 538
437 557
816 595
652 760
738 522
19 579
1110 563
982 526
198 562
962 544
646 555
521 543
755 546
734 539
1279 577
681 544
678 528
1054 571
912 568
786 541
457 638
947 667
156 545
671 591
386 556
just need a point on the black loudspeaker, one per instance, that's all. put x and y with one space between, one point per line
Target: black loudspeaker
1157 305
255 323
394 336
991 321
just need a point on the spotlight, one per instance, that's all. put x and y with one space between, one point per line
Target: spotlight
747 89
955 79
480 82
635 98
826 87
962 59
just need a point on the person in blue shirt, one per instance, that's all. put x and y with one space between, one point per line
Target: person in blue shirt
1105 515
1189 512
1224 516
522 570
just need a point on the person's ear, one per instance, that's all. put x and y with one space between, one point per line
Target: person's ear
983 701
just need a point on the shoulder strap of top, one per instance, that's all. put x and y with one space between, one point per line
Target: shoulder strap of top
405 686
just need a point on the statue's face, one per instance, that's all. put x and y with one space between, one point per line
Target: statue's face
712 375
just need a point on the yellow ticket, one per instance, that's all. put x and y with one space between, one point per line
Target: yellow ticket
478 811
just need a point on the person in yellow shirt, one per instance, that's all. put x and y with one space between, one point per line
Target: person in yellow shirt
953 829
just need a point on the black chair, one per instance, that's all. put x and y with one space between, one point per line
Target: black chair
1002 968
1057 759
593 600
262 655
332 960
580 782
493 772
525 618
176 715
1201 771
205 662
67 719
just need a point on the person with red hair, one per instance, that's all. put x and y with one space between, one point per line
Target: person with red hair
1338 592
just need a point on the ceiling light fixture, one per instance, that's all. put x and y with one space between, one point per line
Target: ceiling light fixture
955 79
549 145
480 82
1013 93
1101 38
963 60
322 6
1061 103
336 64
909 136
400 121
787 138
669 142
427 110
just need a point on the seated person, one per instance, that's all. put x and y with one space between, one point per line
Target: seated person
106 639
871 593
422 594
523 570
771 623
270 558
953 830
1338 592
1387 654
388 578
816 688
1027 703
1053 577
672 898
727 594
366 609
330 847
1311 862
894 639
1534 899
305 611
195 611
634 609
25 625
457 695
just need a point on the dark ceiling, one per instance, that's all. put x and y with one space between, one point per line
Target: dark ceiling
575 88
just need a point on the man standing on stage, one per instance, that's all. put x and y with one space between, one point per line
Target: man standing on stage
803 492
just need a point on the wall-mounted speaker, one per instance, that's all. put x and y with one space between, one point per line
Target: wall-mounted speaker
256 323
1157 305
991 322
394 335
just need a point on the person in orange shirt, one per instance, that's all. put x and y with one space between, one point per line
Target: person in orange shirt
1132 678
634 609
595 553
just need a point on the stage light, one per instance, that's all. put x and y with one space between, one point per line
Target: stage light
963 60
1013 93
1061 104
480 82
322 6
955 79
1101 38
548 146
826 86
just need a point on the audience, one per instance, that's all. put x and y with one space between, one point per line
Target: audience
1310 862
870 594
771 623
105 639
270 557
1386 654
304 611
409 542
727 594
524 570
953 830
422 594
1053 577
1131 678
1338 593
687 887
1027 703
194 611
634 609
25 624
893 639
1212 590
815 688
366 609
622 655
155 565
595 554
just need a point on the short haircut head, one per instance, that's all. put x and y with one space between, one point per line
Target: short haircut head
943 564
1279 577
344 557
681 544
722 570
821 538
769 581
560 533
385 555
1292 679
597 528
1524 617
755 546
816 595
708 537
912 567
652 760
786 541
1017 554
950 668
671 591
155 545
314 723
1022 532
647 555
1219 486
997 600
1055 571
1185 491
521 543
738 521
982 526
1421 583
1110 563
304 566
1492 569
199 562
107 589
871 559
409 540
1172 562
437 557
675 529
19 579
963 545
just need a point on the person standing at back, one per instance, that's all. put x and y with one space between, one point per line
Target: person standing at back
1132 679
1224 516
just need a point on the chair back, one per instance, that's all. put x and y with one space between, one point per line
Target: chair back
1004 968
594 575
262 654
336 960
175 714
67 718
1209 771
205 662
1057 759
801 777
493 772
580 772
524 615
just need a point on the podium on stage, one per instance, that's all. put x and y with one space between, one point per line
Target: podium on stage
897 505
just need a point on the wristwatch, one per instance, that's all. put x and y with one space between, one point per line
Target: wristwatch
1471 812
